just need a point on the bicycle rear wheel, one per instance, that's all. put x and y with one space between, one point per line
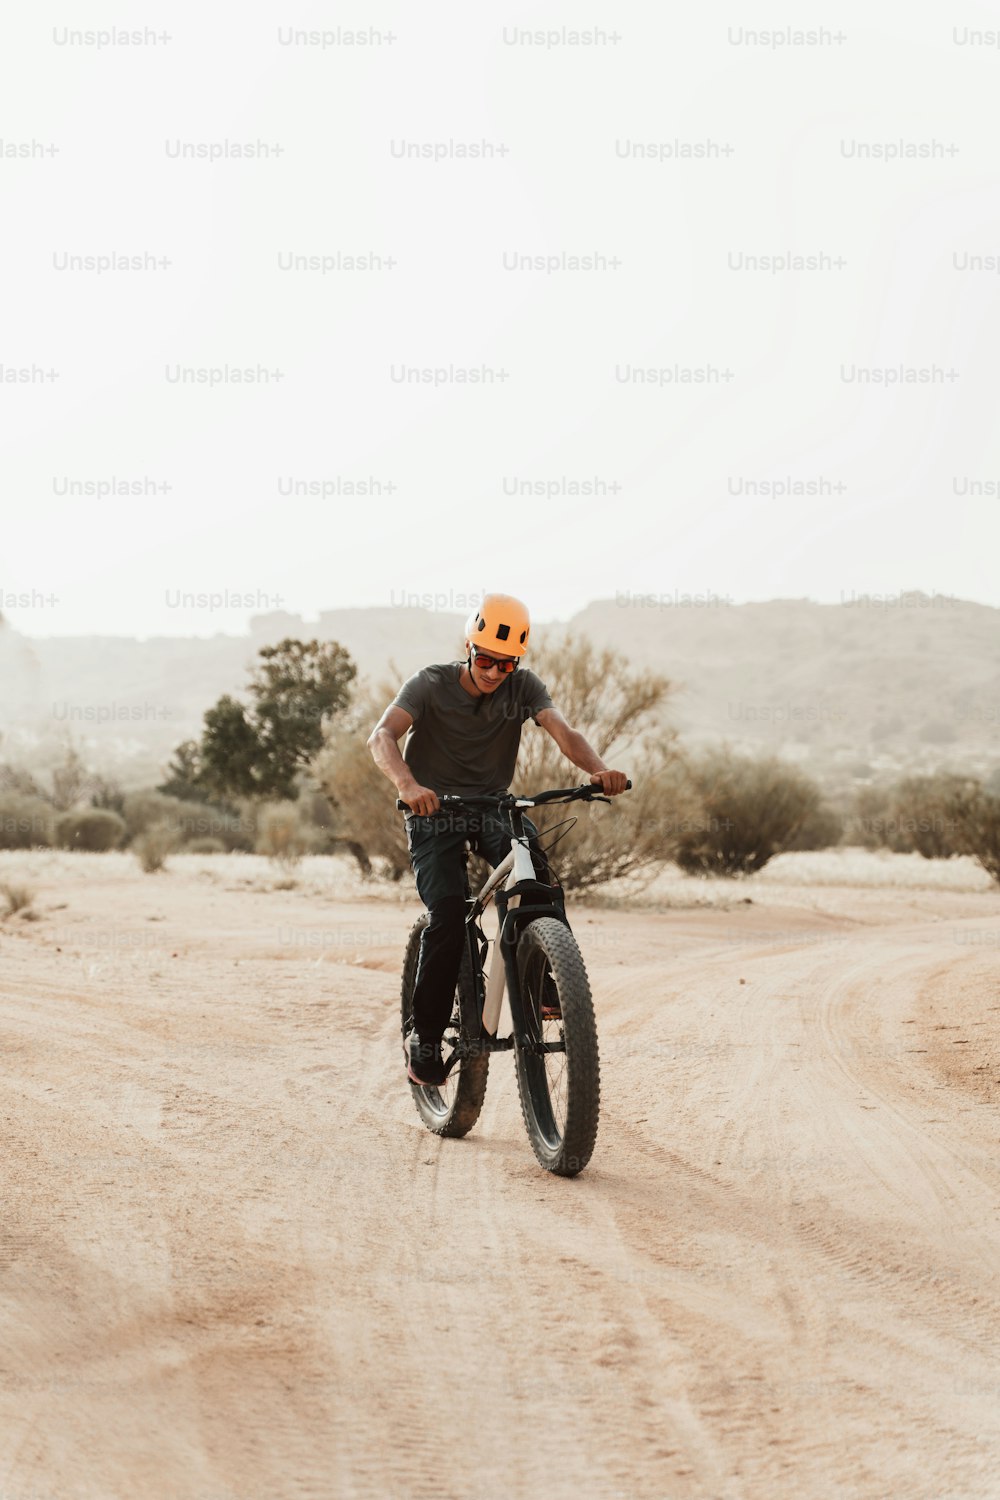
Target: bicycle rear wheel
561 1089
452 1109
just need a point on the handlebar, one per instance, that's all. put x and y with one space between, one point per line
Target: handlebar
585 793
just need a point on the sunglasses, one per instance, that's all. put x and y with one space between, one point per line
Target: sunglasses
485 662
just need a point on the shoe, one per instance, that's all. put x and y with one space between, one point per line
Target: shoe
424 1063
551 1009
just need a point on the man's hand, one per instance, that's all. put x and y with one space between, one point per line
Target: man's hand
610 782
420 799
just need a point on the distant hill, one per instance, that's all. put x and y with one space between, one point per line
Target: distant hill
914 679
910 681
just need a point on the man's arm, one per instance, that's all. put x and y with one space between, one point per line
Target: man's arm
383 742
575 748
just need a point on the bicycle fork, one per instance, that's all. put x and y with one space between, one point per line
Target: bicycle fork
523 897
523 870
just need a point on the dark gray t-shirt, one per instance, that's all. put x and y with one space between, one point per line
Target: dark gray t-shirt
459 742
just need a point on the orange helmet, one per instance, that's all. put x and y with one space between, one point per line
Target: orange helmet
501 624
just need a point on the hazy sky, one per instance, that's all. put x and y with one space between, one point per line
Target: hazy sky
472 154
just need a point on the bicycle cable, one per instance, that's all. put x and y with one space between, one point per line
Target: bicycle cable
566 824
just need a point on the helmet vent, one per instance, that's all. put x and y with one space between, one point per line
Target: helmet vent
503 631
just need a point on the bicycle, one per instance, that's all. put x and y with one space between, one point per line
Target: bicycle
554 1032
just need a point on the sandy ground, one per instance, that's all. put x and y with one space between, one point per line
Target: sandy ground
234 1265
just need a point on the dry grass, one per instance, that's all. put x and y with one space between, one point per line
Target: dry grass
861 868
787 874
337 876
16 897
282 835
152 846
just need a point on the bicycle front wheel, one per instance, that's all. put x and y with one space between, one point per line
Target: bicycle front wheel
558 1069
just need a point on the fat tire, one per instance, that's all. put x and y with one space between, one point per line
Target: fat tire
471 1073
548 939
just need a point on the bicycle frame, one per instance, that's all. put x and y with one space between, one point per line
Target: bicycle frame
519 896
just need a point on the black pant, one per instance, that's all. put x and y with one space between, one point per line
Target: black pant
437 845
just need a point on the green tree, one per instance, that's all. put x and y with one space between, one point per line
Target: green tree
260 750
298 685
231 751
184 778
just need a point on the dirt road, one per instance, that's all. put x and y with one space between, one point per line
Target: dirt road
234 1266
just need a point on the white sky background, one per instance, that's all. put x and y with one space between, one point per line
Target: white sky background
114 564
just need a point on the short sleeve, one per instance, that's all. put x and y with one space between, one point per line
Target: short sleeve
536 695
412 696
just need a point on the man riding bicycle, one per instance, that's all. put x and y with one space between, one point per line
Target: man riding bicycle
462 723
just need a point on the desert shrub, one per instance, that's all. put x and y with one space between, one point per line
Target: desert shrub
869 823
106 792
146 807
823 829
748 810
915 815
95 829
16 897
26 821
283 834
190 819
317 812
202 820
16 779
365 822
618 710
207 845
925 819
152 846
976 814
71 780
